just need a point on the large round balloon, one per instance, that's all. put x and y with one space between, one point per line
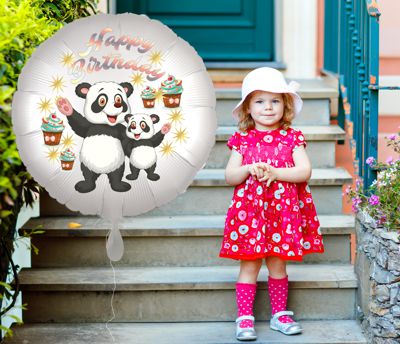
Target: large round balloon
114 115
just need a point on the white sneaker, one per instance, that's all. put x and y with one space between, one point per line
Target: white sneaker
285 328
246 333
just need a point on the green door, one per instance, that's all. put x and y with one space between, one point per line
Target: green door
220 30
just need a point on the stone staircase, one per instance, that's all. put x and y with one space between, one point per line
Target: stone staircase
171 286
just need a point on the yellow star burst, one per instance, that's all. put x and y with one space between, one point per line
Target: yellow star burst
176 116
44 105
156 57
137 79
67 59
52 154
159 95
181 135
67 141
57 83
167 148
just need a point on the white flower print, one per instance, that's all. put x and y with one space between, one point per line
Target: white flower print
260 202
296 208
278 207
263 229
277 250
240 192
307 245
276 237
243 229
287 201
258 249
254 223
283 132
234 236
319 230
277 194
258 236
252 241
281 187
308 199
317 241
268 138
308 189
232 222
259 190
269 161
265 205
275 224
301 203
300 137
300 229
235 248
301 241
285 247
232 202
238 204
290 253
227 245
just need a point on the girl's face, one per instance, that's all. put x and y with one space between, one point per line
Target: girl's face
266 109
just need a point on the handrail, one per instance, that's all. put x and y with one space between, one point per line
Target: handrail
357 65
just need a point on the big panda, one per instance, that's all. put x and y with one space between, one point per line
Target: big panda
106 104
140 144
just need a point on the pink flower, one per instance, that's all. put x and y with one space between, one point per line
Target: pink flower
389 160
374 200
370 160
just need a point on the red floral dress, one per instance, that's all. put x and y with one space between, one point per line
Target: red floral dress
279 220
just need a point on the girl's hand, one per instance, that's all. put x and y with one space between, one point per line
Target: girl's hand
256 170
270 174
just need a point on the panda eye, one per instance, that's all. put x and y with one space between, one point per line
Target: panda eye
118 99
142 125
133 125
102 100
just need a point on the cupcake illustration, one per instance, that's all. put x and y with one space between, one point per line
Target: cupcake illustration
67 158
52 128
148 97
171 91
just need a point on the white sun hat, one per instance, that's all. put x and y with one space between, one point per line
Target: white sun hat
269 80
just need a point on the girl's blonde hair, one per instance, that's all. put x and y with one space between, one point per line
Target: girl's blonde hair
246 122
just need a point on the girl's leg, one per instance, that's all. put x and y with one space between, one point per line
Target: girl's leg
246 289
278 286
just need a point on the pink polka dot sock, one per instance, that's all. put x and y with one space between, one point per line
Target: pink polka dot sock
278 294
245 294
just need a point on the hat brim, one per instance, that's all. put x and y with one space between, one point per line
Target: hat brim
297 102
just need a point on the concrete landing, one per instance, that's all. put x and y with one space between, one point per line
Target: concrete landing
315 332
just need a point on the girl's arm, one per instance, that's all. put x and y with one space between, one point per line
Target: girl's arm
236 173
300 173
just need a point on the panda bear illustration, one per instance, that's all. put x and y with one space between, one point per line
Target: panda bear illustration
140 143
106 104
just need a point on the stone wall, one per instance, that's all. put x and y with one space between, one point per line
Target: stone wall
378 272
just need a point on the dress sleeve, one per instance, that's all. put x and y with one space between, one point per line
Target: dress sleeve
234 142
298 140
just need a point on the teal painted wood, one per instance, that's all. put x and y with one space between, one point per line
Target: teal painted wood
220 30
357 26
330 36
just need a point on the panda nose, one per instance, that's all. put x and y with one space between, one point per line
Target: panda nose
117 105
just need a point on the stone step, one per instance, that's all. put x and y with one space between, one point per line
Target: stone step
209 184
184 241
314 332
210 195
159 294
321 142
316 93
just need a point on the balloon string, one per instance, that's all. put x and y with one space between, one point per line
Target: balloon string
113 292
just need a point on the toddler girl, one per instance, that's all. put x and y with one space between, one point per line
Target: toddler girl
272 214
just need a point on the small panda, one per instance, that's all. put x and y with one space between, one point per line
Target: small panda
140 143
100 126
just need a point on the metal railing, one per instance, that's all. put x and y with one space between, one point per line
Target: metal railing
352 52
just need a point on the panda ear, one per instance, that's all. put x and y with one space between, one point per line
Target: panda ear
82 89
127 117
154 118
128 88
